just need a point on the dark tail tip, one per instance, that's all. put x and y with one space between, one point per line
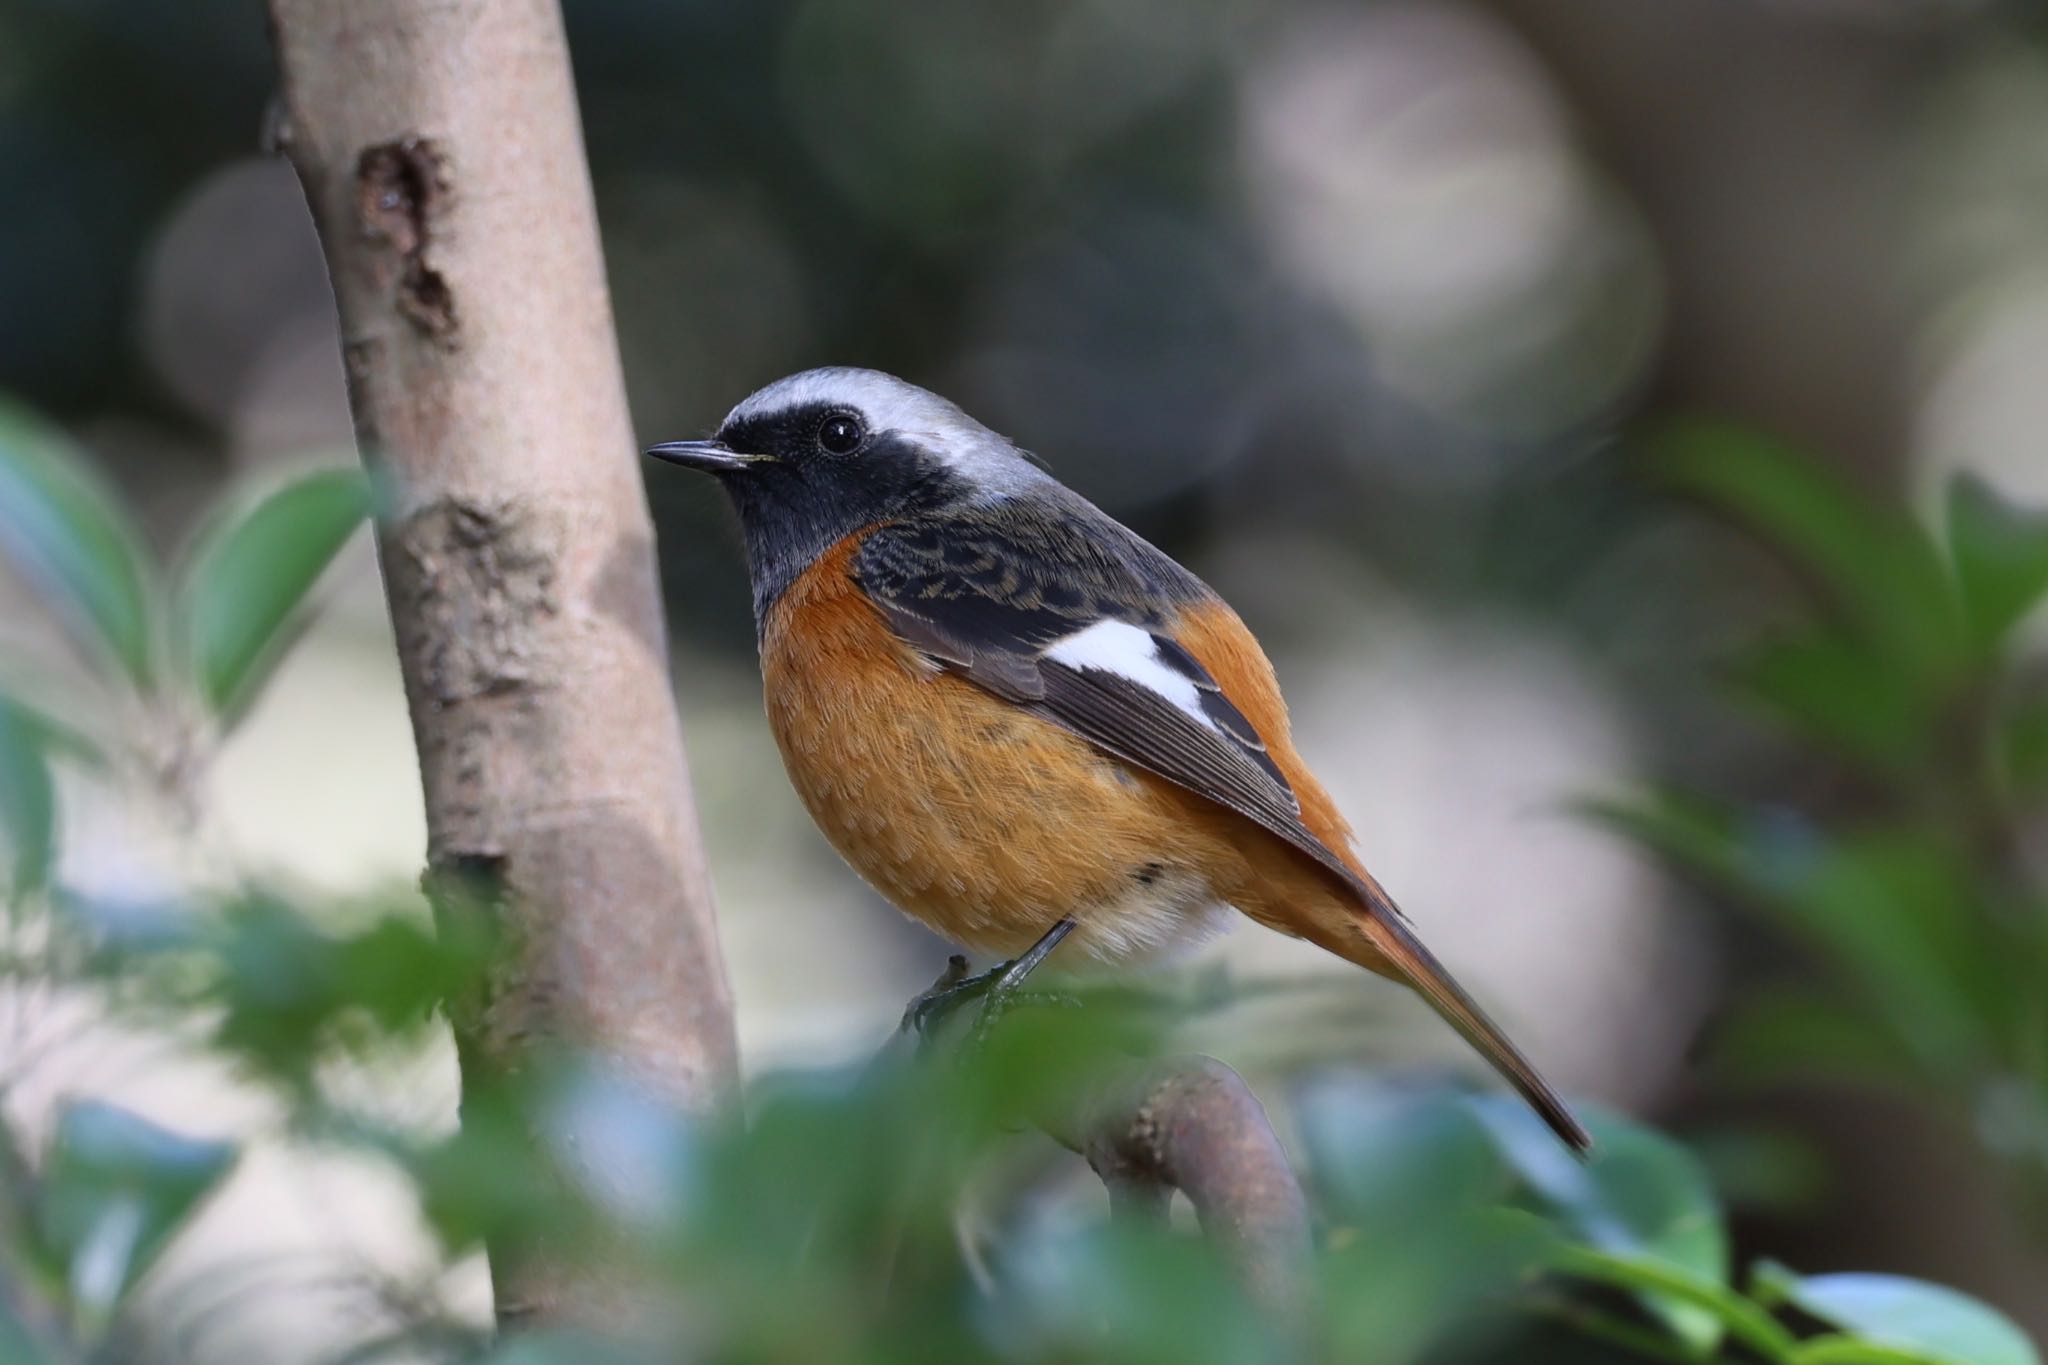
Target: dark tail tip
1436 985
1551 1108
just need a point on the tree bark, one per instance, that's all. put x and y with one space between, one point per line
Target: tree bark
440 148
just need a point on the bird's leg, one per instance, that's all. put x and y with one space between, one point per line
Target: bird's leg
997 987
1003 991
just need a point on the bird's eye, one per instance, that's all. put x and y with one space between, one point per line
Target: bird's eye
841 434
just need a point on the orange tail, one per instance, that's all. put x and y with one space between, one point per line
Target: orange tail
1397 947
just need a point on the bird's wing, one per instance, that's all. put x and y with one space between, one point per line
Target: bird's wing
1072 619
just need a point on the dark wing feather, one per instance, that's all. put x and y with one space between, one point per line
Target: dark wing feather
1137 725
987 589
990 590
1220 710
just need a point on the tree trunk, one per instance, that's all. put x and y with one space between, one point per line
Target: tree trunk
439 146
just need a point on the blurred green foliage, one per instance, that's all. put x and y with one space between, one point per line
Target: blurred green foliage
903 1210
66 533
1917 896
249 573
229 609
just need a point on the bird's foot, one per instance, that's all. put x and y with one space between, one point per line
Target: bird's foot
925 1015
1000 989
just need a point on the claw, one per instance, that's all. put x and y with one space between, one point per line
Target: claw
953 989
999 987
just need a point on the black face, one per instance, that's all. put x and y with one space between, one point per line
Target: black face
827 473
812 433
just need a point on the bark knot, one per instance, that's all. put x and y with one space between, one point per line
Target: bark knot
480 581
402 188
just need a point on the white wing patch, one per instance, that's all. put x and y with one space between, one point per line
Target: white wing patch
1130 652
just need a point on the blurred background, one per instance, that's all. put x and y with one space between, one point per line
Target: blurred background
1370 313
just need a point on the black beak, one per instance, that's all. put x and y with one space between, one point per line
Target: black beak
713 457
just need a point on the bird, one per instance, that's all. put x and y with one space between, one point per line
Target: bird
1020 722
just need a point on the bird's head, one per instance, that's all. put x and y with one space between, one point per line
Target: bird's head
817 456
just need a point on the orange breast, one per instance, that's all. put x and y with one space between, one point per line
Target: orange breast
984 821
989 823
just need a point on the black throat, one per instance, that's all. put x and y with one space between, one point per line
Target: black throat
792 512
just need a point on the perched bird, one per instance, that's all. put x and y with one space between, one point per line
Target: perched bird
1017 719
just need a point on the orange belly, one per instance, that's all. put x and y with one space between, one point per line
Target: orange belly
989 823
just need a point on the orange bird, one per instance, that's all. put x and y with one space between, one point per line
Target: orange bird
1018 720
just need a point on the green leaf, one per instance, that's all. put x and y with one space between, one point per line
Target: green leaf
1411 1185
115 1188
1895 910
1892 908
1829 687
1835 1349
250 572
1127 1292
290 992
1800 1036
556 1346
1901 1314
1643 1197
1762 1169
60 737
1386 1155
18 1345
73 541
1883 570
2001 558
28 800
1702 836
489 1179
1658 1281
2023 746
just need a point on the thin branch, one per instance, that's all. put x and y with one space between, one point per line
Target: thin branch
1192 1124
